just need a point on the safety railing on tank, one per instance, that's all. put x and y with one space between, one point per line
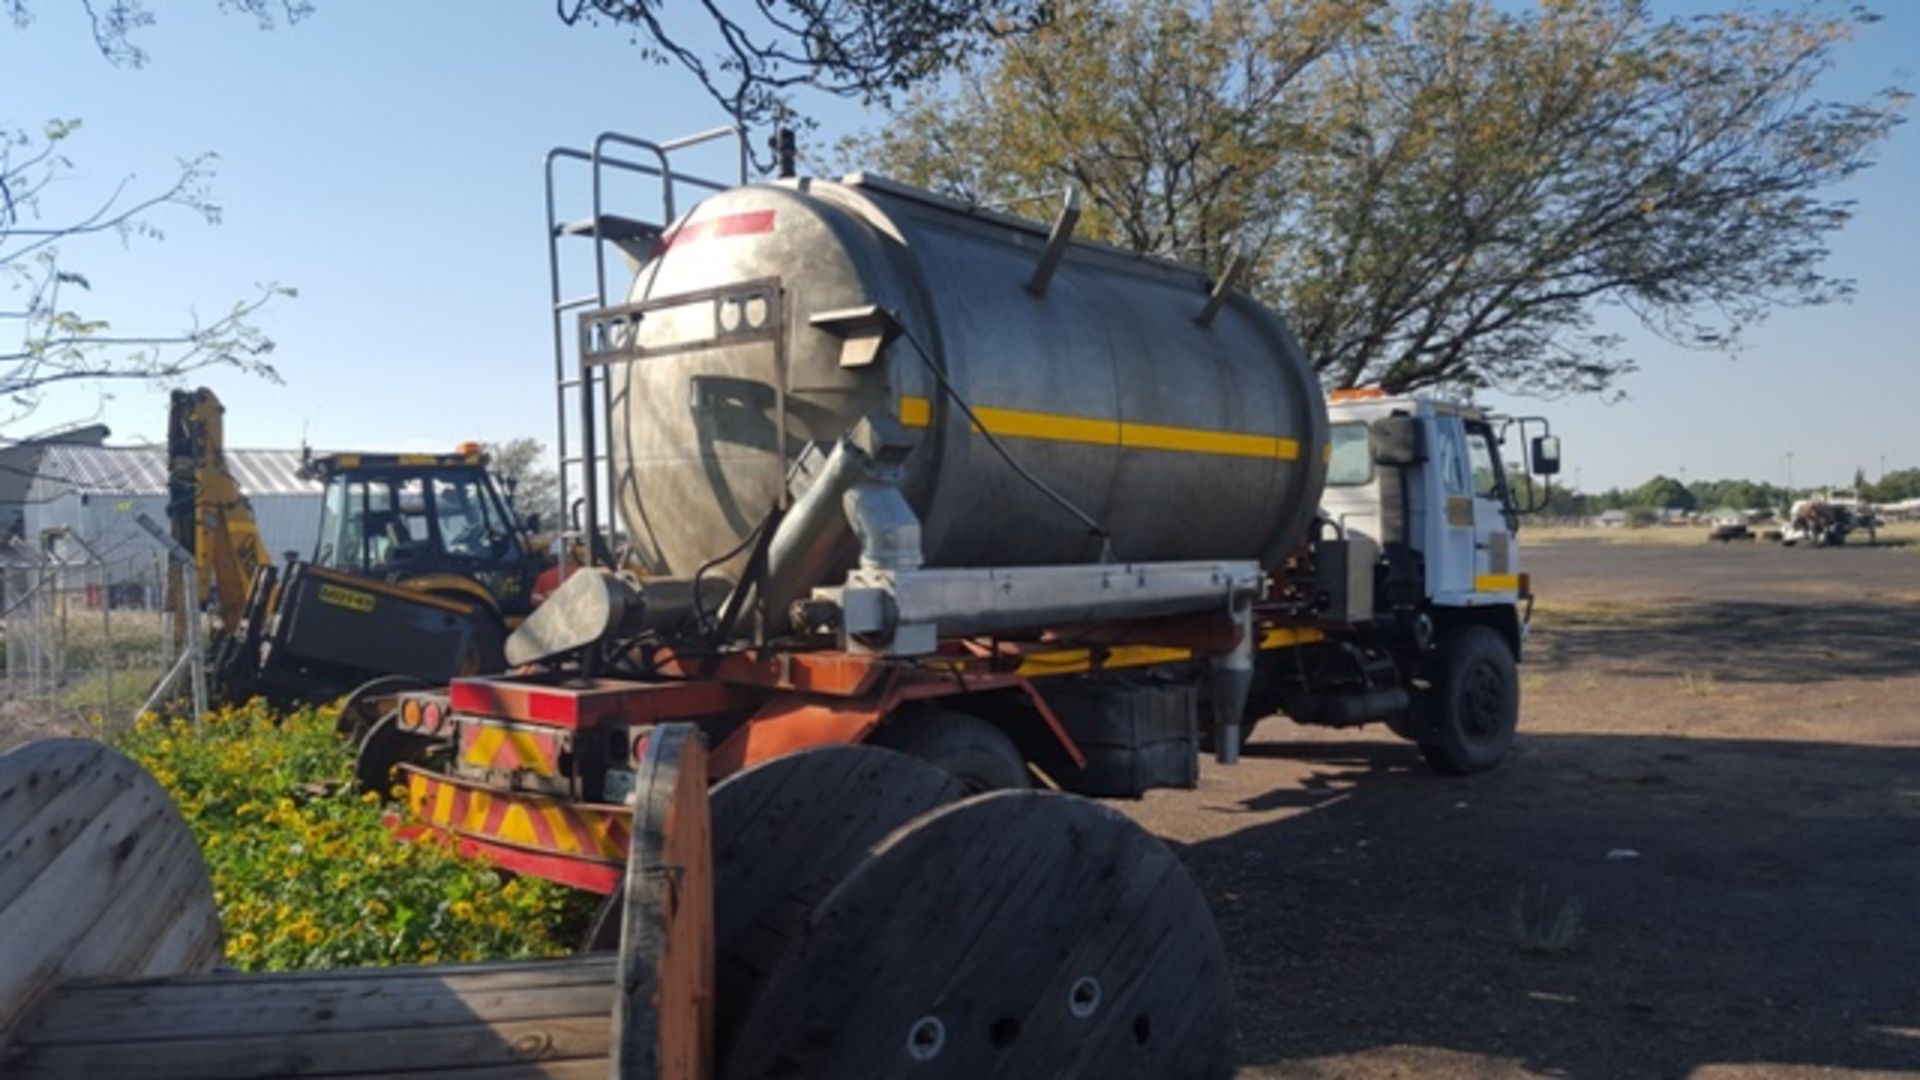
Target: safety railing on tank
583 453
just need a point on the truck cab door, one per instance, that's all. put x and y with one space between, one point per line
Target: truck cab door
1451 557
1496 568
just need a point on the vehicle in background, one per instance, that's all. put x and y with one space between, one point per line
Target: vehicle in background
1828 520
418 574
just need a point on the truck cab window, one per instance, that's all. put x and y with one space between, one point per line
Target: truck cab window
1487 482
1351 462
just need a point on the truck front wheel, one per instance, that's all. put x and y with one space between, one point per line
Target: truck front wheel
1467 718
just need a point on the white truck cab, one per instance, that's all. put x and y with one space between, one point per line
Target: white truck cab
1417 575
1460 514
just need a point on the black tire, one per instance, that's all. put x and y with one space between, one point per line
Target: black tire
1467 719
975 752
383 749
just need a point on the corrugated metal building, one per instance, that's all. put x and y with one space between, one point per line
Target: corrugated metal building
100 491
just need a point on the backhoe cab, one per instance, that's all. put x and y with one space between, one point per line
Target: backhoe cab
434 522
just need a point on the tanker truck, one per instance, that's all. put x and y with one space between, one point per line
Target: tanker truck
856 463
859 463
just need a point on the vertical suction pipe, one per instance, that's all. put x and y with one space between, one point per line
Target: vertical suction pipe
1231 684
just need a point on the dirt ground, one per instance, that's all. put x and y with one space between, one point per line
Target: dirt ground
1703 858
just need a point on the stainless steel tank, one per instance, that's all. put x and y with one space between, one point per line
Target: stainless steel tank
1184 441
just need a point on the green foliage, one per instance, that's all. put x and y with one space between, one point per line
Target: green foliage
749 57
52 334
529 484
305 872
1665 493
1441 190
1896 486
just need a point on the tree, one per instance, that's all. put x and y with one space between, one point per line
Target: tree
861 49
1897 486
1442 192
530 485
53 340
1665 493
53 337
116 23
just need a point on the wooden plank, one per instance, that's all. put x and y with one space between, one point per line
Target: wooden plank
228 990
394 1050
510 972
588 1068
235 1006
663 1015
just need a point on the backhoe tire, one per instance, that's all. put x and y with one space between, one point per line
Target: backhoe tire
1469 715
975 752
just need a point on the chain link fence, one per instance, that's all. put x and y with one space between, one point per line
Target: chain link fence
83 632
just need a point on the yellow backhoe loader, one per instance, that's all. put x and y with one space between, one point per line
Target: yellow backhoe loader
419 571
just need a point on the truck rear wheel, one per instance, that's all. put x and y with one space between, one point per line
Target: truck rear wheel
975 752
1468 717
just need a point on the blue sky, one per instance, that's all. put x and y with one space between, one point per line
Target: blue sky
385 160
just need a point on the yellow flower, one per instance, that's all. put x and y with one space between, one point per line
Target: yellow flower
463 911
312 935
376 908
247 942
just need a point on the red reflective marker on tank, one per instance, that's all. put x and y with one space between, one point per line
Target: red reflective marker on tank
750 223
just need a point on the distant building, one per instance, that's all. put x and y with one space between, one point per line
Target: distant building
20 463
1613 519
98 492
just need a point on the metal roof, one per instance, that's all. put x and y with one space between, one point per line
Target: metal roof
142 470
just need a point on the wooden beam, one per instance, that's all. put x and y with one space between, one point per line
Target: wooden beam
663 1013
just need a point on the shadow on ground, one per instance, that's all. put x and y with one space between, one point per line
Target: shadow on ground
1736 901
1737 640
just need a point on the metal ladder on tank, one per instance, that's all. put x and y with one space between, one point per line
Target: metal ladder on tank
584 391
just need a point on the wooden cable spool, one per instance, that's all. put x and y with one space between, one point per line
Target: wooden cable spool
99 875
785 832
1013 934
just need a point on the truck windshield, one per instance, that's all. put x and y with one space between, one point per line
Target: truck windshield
1351 462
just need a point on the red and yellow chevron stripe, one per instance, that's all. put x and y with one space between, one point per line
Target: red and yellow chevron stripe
499 746
600 833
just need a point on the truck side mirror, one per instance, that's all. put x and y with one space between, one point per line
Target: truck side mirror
1546 455
1397 440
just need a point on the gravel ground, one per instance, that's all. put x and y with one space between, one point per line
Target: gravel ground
1702 860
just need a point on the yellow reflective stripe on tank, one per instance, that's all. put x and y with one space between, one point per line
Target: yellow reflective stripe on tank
1201 441
917 412
1054 427
1496 583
